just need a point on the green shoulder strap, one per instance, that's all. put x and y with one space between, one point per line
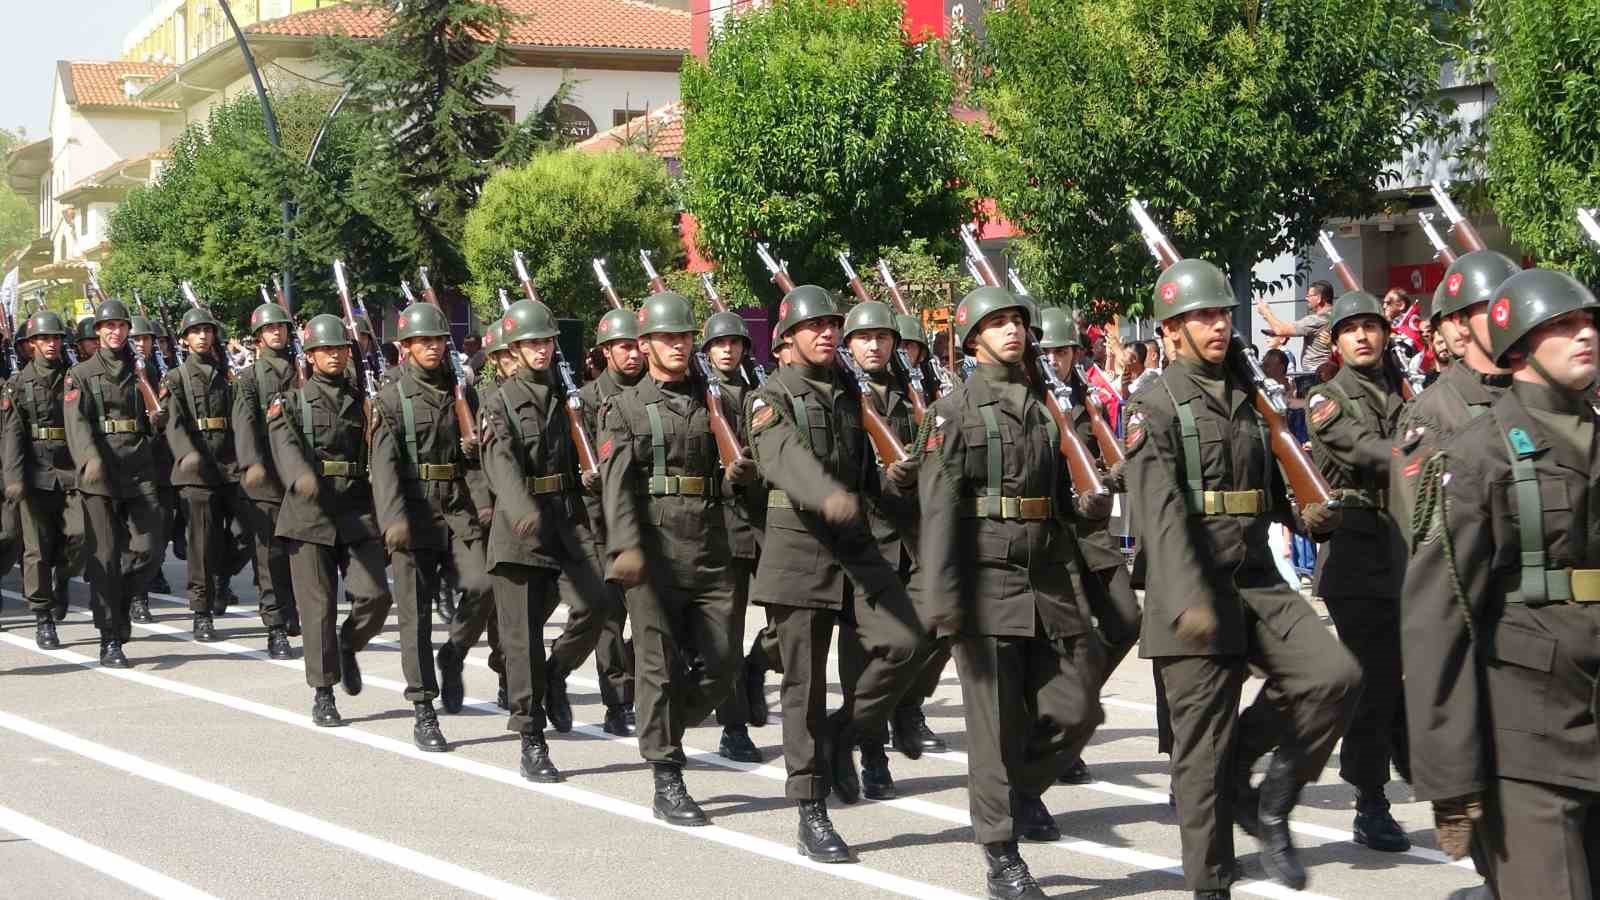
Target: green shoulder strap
1189 430
996 461
1537 587
306 427
802 422
408 414
658 450
1474 410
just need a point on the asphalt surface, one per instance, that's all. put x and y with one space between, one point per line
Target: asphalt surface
197 773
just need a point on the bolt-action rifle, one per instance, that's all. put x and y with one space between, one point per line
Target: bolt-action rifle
755 374
909 374
1441 250
941 372
297 352
588 460
155 344
1409 385
368 377
657 283
152 403
1460 228
465 421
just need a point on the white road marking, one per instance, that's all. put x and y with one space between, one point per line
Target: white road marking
101 860
283 817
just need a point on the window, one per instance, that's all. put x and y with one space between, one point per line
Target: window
621 116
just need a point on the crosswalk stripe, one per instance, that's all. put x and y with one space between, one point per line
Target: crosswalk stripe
141 878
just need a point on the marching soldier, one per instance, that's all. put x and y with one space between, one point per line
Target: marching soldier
199 401
669 545
423 481
40 477
1203 488
142 335
112 432
1498 627
318 435
272 373
1002 577
85 338
539 532
820 566
1353 419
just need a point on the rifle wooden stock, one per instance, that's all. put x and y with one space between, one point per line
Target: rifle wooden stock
1341 269
1111 452
1081 467
1302 475
884 442
465 420
302 366
355 355
919 404
588 461
729 451
859 289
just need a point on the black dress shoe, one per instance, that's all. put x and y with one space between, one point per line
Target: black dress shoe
452 689
818 840
278 644
291 622
222 597
557 708
139 609
1033 820
444 608
44 632
349 670
737 746
111 654
536 764
205 631
1008 877
616 721
631 716
755 686
876 782
912 736
672 803
501 699
840 753
1076 773
159 585
59 609
425 731
1279 792
324 712
1375 827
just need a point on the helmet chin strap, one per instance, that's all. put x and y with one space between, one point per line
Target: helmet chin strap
1183 328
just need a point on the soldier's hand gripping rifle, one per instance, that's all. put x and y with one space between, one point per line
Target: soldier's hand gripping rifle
1441 250
1057 399
297 353
1460 227
465 421
657 283
941 373
152 403
909 374
755 374
155 343
1392 363
1268 397
588 460
368 378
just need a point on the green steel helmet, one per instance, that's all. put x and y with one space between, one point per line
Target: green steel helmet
1191 284
1035 320
616 325
870 314
1430 310
423 320
910 328
983 302
491 340
325 331
195 318
1527 300
724 324
45 322
1060 330
269 314
806 302
527 320
112 311
140 327
666 313
85 330
22 331
1352 304
1472 279
364 326
161 329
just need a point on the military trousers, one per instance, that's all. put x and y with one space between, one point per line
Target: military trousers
524 598
52 546
1031 706
855 656
417 574
595 616
212 550
476 615
1369 627
1315 685
316 569
11 546
274 583
734 710
1542 840
1117 619
684 648
119 541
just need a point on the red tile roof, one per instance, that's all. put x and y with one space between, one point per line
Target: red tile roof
660 131
615 24
100 84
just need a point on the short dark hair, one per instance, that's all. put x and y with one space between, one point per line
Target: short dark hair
1276 354
1323 288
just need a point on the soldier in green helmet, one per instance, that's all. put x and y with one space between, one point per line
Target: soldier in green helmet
820 565
40 476
85 339
318 435
1203 489
1498 627
142 336
1001 571
112 434
432 502
274 371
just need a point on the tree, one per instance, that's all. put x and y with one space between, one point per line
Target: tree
1243 126
562 210
1544 135
815 125
18 223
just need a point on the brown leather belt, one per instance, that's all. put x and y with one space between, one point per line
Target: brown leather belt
1030 509
213 423
42 433
685 485
343 469
550 484
1228 503
433 472
119 426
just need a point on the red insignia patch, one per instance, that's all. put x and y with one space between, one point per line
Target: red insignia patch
605 451
507 323
762 417
72 396
1412 469
402 322
783 310
5 402
1453 286
935 441
275 410
640 316
605 326
1169 292
961 315
1322 412
1500 313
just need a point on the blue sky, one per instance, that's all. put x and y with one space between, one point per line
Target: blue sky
39 32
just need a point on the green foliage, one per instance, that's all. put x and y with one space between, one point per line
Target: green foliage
562 210
1243 126
926 281
815 125
1544 131
18 221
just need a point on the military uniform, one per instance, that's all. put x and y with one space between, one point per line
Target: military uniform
272 373
174 516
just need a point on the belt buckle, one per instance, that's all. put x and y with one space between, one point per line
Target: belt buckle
1585 585
693 485
336 467
1034 508
1010 507
1236 503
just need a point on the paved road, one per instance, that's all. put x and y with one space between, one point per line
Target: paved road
198 773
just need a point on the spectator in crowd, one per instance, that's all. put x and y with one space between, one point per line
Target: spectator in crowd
1138 367
1312 328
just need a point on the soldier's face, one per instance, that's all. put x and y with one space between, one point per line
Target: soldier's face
143 343
1205 331
536 355
330 360
47 346
274 336
1063 358
506 362
915 352
871 347
1361 340
88 347
625 357
198 339
669 353
427 352
817 340
113 334
726 353
1565 347
1001 337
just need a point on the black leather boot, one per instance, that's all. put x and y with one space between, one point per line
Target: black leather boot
325 712
536 764
349 670
1279 792
444 607
557 708
1246 803
1075 773
672 803
912 736
616 721
1032 819
222 596
111 653
139 609
876 781
278 643
838 748
291 621
737 746
1375 827
501 699
452 688
1008 876
159 585
205 631
755 686
44 631
818 839
425 731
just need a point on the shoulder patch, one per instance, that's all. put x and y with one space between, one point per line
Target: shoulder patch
1322 410
935 441
606 449
761 417
1135 434
276 409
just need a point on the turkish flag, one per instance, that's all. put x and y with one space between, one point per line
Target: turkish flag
1409 326
1107 394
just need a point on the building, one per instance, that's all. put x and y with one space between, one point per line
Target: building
176 31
